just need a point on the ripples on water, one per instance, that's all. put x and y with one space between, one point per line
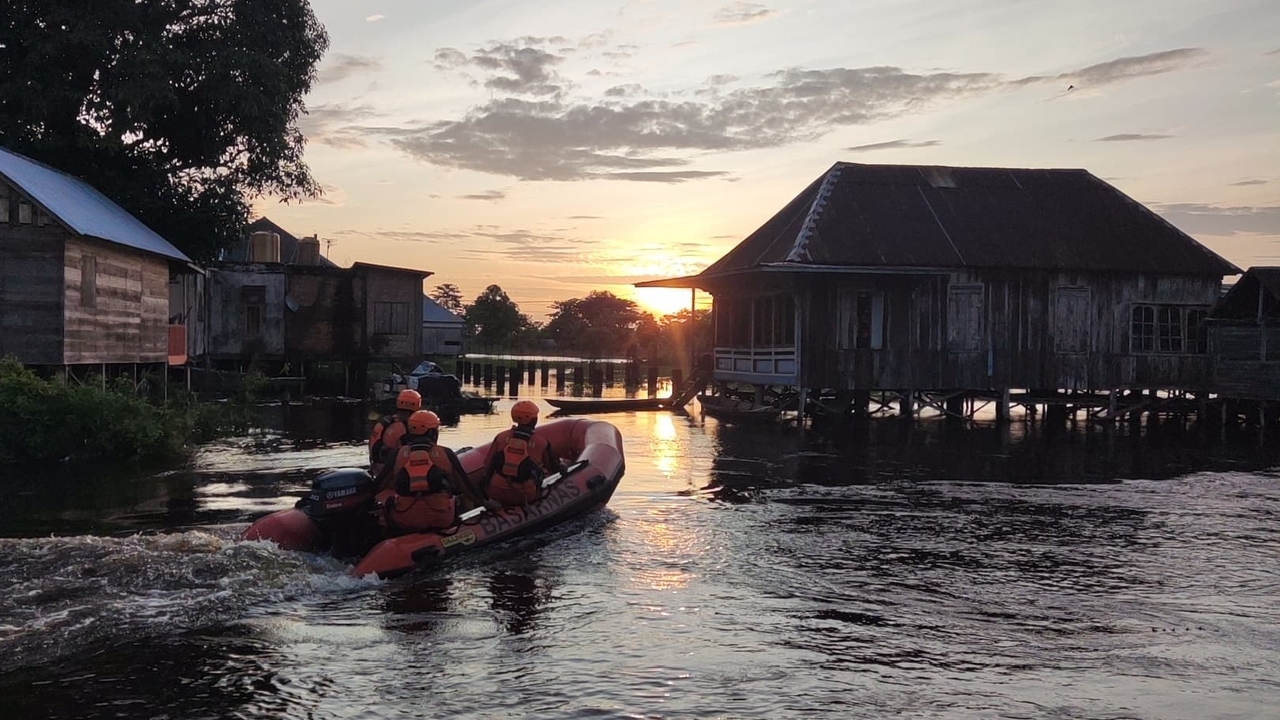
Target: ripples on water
739 572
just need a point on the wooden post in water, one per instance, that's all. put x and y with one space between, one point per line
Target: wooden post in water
906 404
577 376
560 377
1002 407
546 373
597 382
653 381
533 373
677 380
502 379
608 372
515 383
488 375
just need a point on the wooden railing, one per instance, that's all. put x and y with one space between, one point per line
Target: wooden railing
775 365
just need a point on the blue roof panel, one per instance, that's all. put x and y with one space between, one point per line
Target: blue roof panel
81 207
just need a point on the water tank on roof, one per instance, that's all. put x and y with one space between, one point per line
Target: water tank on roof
309 250
264 247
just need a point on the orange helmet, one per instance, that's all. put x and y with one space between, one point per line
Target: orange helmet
422 422
524 412
409 400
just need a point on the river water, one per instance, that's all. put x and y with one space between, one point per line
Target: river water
739 572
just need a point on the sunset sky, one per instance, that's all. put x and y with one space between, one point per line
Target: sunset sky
560 147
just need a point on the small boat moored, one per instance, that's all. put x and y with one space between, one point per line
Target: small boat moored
730 410
589 407
340 515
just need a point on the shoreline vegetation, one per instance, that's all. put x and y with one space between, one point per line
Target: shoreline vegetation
50 421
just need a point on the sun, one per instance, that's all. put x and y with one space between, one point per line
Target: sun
662 301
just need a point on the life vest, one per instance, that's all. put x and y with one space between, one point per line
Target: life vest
384 441
518 480
423 498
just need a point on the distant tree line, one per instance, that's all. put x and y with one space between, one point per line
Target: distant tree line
598 325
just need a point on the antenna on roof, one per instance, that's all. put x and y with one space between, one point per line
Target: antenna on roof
327 244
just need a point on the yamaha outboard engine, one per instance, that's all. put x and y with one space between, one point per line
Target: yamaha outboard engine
340 503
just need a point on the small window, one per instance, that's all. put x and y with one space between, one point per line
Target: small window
391 318
24 213
1142 330
1169 328
1197 331
42 217
88 281
254 299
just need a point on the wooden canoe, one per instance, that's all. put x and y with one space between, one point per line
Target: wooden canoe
606 405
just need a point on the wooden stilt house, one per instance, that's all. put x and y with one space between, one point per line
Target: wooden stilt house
951 279
82 282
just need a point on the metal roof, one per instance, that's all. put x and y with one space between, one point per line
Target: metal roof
432 312
877 216
80 207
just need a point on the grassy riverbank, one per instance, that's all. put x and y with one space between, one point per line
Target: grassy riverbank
51 421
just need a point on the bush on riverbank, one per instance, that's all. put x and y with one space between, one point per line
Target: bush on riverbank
48 421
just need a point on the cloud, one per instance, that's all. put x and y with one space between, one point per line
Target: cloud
487 242
331 195
740 13
586 217
1129 68
487 196
1249 182
522 66
1202 219
375 18
335 124
893 145
344 66
1132 137
1274 53
535 129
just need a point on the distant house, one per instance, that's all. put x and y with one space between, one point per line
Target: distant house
441 330
952 279
306 309
1244 337
83 282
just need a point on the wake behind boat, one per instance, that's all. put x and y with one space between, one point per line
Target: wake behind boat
340 514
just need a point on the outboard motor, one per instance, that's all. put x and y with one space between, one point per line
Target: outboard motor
340 503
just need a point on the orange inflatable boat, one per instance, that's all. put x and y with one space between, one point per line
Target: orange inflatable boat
341 513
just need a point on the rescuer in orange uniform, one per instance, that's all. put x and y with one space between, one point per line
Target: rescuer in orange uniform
427 478
384 440
519 459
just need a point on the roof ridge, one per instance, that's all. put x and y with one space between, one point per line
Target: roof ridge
800 250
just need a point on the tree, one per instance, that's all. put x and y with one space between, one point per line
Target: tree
600 323
449 297
494 319
180 111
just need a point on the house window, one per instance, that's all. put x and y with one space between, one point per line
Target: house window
861 320
254 299
1143 327
24 213
733 322
391 318
42 218
88 281
965 326
773 321
1171 329
1197 331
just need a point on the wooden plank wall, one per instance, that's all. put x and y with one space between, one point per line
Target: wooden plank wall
1018 335
127 318
31 287
385 285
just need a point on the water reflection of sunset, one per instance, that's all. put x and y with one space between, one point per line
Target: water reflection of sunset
667 451
663 540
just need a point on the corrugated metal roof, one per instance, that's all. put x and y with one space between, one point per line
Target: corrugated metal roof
432 312
1241 301
82 208
953 217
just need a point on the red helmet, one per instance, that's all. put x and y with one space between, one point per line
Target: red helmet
423 421
524 412
409 400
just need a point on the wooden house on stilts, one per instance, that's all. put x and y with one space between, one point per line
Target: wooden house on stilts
950 287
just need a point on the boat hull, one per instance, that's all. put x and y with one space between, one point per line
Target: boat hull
586 487
590 407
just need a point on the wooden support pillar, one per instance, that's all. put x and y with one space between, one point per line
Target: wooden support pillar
533 372
608 373
597 381
559 378
502 379
577 376
677 380
802 408
546 373
1002 407
955 407
515 383
653 381
906 404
